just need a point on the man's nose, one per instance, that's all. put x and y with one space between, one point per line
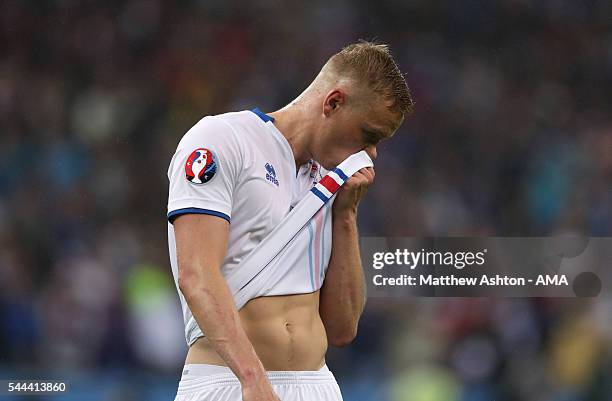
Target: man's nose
371 151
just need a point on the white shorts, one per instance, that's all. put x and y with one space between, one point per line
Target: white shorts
202 382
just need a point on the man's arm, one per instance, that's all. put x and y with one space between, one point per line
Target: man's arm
201 244
343 292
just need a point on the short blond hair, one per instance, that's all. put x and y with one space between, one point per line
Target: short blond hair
373 64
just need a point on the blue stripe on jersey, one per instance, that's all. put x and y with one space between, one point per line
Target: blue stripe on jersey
340 174
194 210
319 194
322 275
311 236
262 115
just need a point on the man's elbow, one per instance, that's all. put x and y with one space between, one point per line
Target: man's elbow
187 281
342 338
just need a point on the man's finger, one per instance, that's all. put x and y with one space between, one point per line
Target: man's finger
359 178
368 172
368 175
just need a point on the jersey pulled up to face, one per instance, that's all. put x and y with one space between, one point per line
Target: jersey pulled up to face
239 167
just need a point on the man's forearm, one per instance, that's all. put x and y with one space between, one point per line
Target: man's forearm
212 306
343 292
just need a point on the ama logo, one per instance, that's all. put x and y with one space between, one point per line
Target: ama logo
271 174
201 166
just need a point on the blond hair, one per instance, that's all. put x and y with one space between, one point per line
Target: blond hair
372 64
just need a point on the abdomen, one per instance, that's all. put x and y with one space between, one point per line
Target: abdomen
286 332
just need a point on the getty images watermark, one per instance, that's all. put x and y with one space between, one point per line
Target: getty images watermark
562 266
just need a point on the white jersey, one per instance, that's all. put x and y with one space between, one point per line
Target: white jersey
239 166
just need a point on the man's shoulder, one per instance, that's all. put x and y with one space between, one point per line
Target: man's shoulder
235 117
245 119
233 120
233 126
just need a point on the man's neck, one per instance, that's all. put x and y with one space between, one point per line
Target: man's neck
292 122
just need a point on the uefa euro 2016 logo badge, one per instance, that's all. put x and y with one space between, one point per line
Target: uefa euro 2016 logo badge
201 166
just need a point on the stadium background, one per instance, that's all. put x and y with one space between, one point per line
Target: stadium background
512 136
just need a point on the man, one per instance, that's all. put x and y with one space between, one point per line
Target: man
250 168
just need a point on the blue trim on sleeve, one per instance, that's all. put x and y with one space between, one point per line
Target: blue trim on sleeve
194 210
262 115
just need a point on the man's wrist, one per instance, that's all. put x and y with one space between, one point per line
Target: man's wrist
345 216
251 376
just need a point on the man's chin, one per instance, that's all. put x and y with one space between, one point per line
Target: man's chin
330 165
326 164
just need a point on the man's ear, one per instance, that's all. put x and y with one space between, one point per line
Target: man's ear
333 101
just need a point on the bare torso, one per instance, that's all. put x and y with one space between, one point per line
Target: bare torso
286 332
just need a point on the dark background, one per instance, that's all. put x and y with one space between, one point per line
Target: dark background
512 136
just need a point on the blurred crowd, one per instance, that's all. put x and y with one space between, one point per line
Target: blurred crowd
512 136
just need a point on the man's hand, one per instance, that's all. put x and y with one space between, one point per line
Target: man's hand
353 190
260 390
